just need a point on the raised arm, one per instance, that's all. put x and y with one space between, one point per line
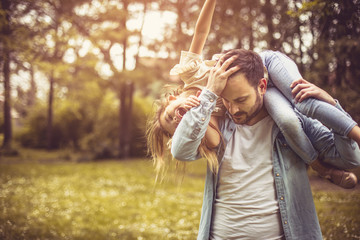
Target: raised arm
202 27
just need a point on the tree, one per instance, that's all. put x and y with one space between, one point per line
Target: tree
107 30
56 27
335 28
14 35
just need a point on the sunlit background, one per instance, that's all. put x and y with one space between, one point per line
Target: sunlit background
78 81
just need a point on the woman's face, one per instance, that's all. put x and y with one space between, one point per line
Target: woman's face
173 113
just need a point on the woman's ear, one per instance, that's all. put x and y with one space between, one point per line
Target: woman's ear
171 97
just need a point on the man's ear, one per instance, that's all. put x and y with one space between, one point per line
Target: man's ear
171 97
262 86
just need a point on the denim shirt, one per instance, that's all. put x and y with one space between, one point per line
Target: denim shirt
297 209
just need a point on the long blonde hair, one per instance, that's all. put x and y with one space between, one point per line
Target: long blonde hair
159 142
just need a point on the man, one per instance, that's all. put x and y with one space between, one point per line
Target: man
262 189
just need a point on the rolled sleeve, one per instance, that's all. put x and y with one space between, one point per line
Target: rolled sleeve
192 128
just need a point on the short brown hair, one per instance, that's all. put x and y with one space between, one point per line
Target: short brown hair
250 64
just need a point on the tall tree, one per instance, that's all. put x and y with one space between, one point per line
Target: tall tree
51 52
6 49
108 30
13 36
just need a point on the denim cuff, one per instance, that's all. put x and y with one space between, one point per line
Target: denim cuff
351 123
208 99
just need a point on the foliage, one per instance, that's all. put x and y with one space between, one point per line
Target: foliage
86 127
338 214
80 48
33 134
118 200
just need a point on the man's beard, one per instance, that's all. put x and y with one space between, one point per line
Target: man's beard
253 112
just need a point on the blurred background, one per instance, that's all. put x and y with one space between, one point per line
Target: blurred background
78 81
83 74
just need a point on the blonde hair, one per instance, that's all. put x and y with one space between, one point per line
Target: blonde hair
159 143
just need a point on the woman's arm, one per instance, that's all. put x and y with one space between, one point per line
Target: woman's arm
212 134
202 27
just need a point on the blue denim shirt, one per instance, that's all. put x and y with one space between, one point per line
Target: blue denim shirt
297 210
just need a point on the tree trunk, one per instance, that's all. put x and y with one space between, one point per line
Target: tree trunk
128 119
7 103
126 4
298 28
140 40
126 96
6 31
32 91
268 11
122 121
50 113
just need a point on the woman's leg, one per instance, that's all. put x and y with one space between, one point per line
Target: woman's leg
282 112
283 71
285 118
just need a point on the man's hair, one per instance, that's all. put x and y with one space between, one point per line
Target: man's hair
250 64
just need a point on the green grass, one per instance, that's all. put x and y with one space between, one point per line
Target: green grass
107 200
339 214
118 200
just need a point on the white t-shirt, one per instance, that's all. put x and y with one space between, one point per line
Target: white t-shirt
246 206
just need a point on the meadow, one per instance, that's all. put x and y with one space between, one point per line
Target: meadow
120 200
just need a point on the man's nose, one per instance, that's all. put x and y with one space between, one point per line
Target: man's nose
233 109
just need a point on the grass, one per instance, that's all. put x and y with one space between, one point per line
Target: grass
118 200
107 200
339 214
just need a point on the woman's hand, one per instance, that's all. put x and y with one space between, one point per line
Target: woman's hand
191 101
302 89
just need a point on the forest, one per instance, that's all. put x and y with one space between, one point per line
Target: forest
78 81
83 75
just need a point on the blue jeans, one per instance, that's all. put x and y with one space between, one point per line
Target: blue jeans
280 105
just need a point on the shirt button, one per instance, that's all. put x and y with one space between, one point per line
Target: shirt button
285 222
203 119
277 174
282 198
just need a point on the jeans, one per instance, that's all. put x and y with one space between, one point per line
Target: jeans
280 105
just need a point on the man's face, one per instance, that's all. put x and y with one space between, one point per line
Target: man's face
173 113
243 101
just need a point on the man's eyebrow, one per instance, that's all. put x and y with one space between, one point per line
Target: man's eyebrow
241 98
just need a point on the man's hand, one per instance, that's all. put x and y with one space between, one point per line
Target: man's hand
219 75
302 89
